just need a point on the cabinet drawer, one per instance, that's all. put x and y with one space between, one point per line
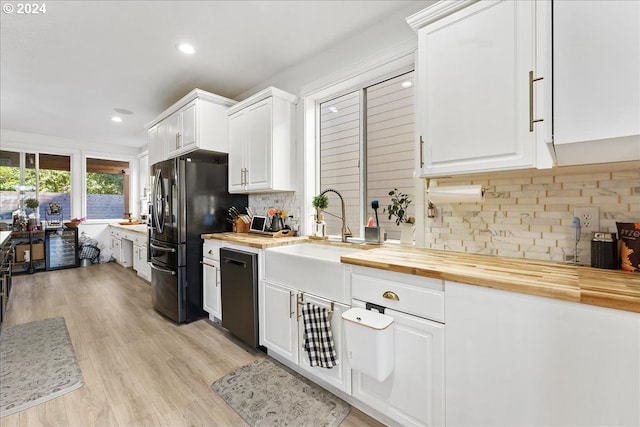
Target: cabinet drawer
139 239
211 250
114 232
411 298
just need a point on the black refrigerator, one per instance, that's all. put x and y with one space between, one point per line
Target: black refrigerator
190 197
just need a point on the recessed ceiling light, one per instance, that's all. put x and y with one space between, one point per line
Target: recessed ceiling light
407 84
333 109
116 119
123 111
186 48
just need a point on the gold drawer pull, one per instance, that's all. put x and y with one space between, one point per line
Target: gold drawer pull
391 295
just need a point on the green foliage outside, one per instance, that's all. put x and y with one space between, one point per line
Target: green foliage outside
104 183
55 181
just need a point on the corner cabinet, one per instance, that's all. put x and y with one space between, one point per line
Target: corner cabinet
596 72
261 143
479 87
198 121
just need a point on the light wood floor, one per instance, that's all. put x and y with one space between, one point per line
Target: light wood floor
139 368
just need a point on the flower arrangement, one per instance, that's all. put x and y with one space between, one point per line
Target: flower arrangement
399 207
275 212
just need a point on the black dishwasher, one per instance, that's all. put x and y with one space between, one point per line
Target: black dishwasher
239 289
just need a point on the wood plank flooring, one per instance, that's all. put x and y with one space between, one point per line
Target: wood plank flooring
139 368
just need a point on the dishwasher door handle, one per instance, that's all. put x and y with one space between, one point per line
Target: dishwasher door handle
234 262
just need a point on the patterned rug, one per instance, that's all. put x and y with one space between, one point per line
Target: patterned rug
266 393
37 363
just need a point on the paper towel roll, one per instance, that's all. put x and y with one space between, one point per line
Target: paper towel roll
456 194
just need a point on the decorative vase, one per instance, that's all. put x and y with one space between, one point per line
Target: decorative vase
406 233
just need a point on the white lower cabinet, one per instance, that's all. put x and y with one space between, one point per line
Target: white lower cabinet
522 360
211 290
339 376
280 321
140 264
284 332
413 394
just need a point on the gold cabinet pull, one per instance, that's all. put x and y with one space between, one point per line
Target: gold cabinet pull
531 119
421 148
391 295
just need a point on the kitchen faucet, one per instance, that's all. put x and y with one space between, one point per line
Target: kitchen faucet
346 232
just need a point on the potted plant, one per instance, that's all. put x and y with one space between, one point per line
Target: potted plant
320 202
32 203
399 208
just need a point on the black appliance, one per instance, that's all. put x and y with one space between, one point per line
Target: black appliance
239 292
190 197
62 248
604 251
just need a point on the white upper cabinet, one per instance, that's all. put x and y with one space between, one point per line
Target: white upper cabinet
596 73
196 122
478 76
157 144
143 166
261 143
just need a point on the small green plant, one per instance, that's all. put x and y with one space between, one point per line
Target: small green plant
398 208
320 202
32 203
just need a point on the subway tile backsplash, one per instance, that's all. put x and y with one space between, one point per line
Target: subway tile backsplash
528 214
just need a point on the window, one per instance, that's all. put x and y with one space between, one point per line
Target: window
44 177
367 149
107 188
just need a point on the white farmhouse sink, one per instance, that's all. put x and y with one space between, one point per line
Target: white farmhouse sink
309 267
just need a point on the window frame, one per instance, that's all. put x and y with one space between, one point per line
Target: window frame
311 150
132 161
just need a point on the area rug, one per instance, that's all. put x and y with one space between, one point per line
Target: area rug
266 393
37 364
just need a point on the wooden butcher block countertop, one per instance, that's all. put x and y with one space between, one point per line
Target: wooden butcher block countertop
606 288
254 240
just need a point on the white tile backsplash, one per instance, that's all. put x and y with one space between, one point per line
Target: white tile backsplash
528 214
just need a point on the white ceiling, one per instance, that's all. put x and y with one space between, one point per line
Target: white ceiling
65 71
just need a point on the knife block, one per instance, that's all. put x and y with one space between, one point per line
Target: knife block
239 226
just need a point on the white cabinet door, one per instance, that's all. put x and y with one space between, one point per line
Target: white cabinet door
338 376
143 163
596 73
172 134
473 91
157 144
522 360
279 320
238 131
259 146
189 126
140 264
414 393
211 290
116 248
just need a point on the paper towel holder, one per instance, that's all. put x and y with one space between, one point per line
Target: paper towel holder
453 194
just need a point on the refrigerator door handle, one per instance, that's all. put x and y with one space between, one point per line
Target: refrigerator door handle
163 270
158 199
161 248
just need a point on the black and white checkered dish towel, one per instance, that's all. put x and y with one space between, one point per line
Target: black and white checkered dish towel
318 338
